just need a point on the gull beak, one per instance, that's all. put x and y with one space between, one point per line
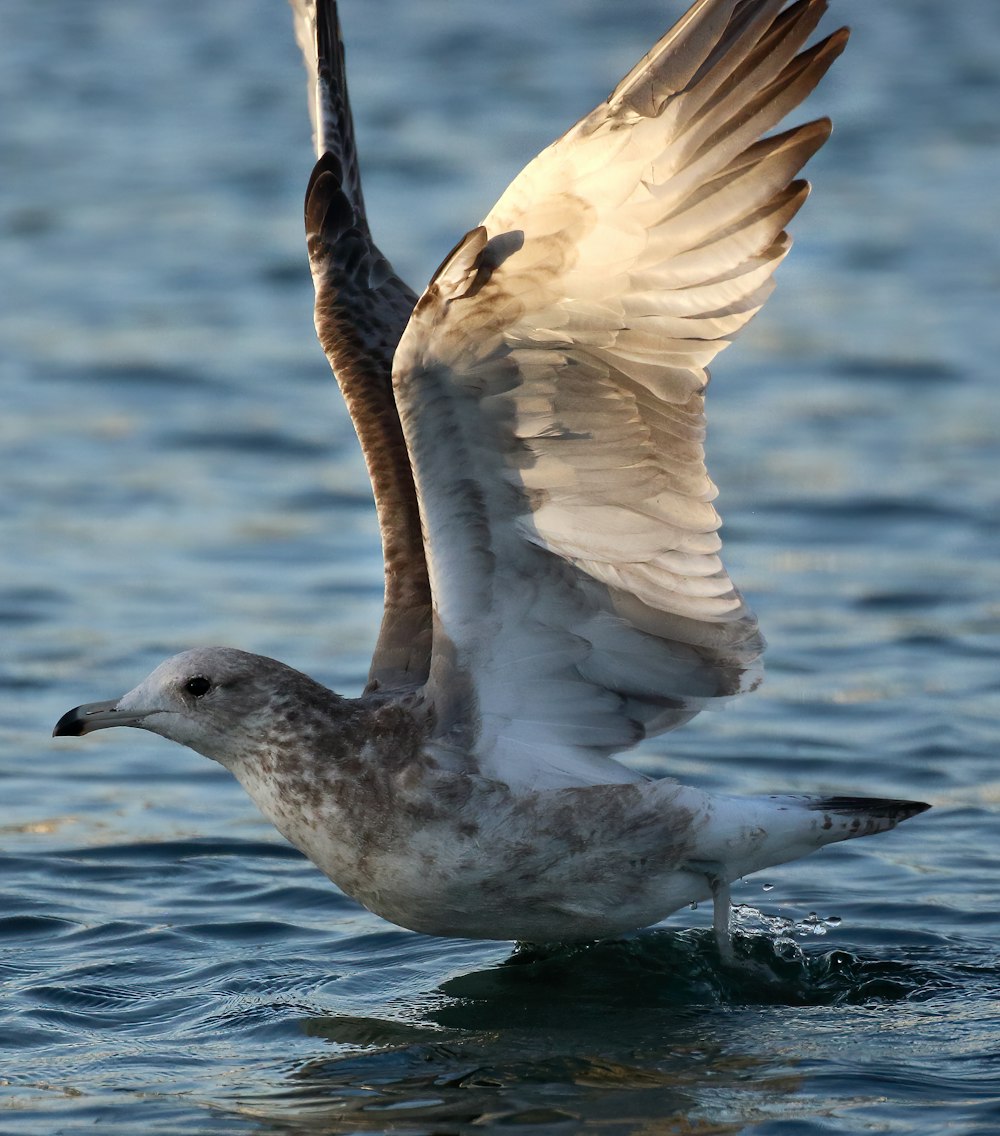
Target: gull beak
95 716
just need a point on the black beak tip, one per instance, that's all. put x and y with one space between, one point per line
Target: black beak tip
71 725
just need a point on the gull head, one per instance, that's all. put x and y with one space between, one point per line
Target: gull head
216 700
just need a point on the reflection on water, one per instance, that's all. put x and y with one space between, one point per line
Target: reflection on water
230 973
628 1032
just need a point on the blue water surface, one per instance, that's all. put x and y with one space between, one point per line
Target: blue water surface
177 469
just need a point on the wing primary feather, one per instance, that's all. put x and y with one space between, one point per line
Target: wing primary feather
361 310
551 384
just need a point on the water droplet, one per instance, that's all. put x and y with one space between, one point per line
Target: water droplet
767 887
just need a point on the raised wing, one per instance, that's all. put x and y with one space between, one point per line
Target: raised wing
361 309
551 387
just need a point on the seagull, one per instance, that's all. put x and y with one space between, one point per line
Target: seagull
533 427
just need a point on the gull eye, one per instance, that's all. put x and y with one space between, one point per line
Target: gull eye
198 686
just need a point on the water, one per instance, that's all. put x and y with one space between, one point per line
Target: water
177 470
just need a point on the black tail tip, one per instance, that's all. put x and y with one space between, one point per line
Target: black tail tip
881 807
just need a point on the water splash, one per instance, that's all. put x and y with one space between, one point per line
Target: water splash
748 919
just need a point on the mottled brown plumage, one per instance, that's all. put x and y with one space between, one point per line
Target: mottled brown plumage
361 309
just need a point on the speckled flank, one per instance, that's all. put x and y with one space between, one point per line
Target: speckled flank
445 850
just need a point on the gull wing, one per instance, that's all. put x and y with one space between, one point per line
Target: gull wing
361 310
551 387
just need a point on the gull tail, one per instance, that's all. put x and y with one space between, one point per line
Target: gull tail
861 815
736 836
787 827
740 836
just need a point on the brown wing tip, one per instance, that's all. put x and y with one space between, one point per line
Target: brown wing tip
328 209
823 53
840 37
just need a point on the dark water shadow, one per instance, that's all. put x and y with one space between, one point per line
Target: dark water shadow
649 1029
682 969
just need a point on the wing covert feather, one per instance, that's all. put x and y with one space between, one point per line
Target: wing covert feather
551 388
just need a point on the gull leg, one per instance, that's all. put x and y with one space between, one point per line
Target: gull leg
721 923
722 907
713 871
